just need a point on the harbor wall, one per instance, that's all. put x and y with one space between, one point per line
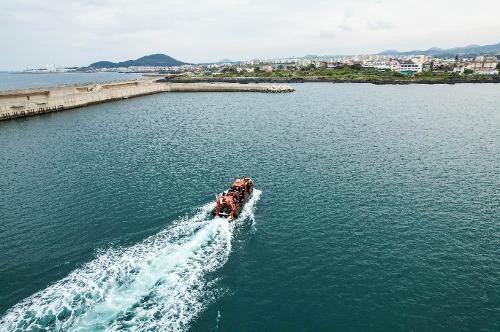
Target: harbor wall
29 102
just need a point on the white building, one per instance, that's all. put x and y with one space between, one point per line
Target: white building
410 68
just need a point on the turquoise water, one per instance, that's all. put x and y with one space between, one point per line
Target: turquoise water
10 81
377 208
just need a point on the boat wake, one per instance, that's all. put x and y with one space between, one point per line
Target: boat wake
161 283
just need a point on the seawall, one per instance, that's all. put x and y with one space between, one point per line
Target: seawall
28 102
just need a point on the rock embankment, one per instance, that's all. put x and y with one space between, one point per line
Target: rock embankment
29 102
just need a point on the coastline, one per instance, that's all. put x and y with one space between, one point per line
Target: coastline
29 102
248 80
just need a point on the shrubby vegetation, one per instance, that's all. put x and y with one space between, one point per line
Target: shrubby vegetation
347 73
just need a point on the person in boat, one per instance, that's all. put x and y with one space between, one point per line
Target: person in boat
236 197
232 202
249 183
221 200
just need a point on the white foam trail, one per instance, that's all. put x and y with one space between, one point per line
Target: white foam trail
160 283
217 321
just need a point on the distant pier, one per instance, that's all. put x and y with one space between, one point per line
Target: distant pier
29 102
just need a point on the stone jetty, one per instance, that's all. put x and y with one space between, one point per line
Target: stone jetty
29 102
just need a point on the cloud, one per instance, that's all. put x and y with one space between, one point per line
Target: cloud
78 32
380 25
345 27
327 34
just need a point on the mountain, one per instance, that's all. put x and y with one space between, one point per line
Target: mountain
467 50
157 60
312 56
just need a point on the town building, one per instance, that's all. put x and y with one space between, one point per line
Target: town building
484 65
410 68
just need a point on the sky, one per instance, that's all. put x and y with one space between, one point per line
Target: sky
36 33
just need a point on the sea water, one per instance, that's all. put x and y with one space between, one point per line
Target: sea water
11 80
377 209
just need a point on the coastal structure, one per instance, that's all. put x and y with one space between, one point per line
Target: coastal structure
29 102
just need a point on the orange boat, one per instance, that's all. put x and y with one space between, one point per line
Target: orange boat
231 202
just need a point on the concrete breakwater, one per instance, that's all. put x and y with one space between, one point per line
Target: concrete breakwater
29 102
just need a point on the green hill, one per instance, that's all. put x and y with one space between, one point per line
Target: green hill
157 60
